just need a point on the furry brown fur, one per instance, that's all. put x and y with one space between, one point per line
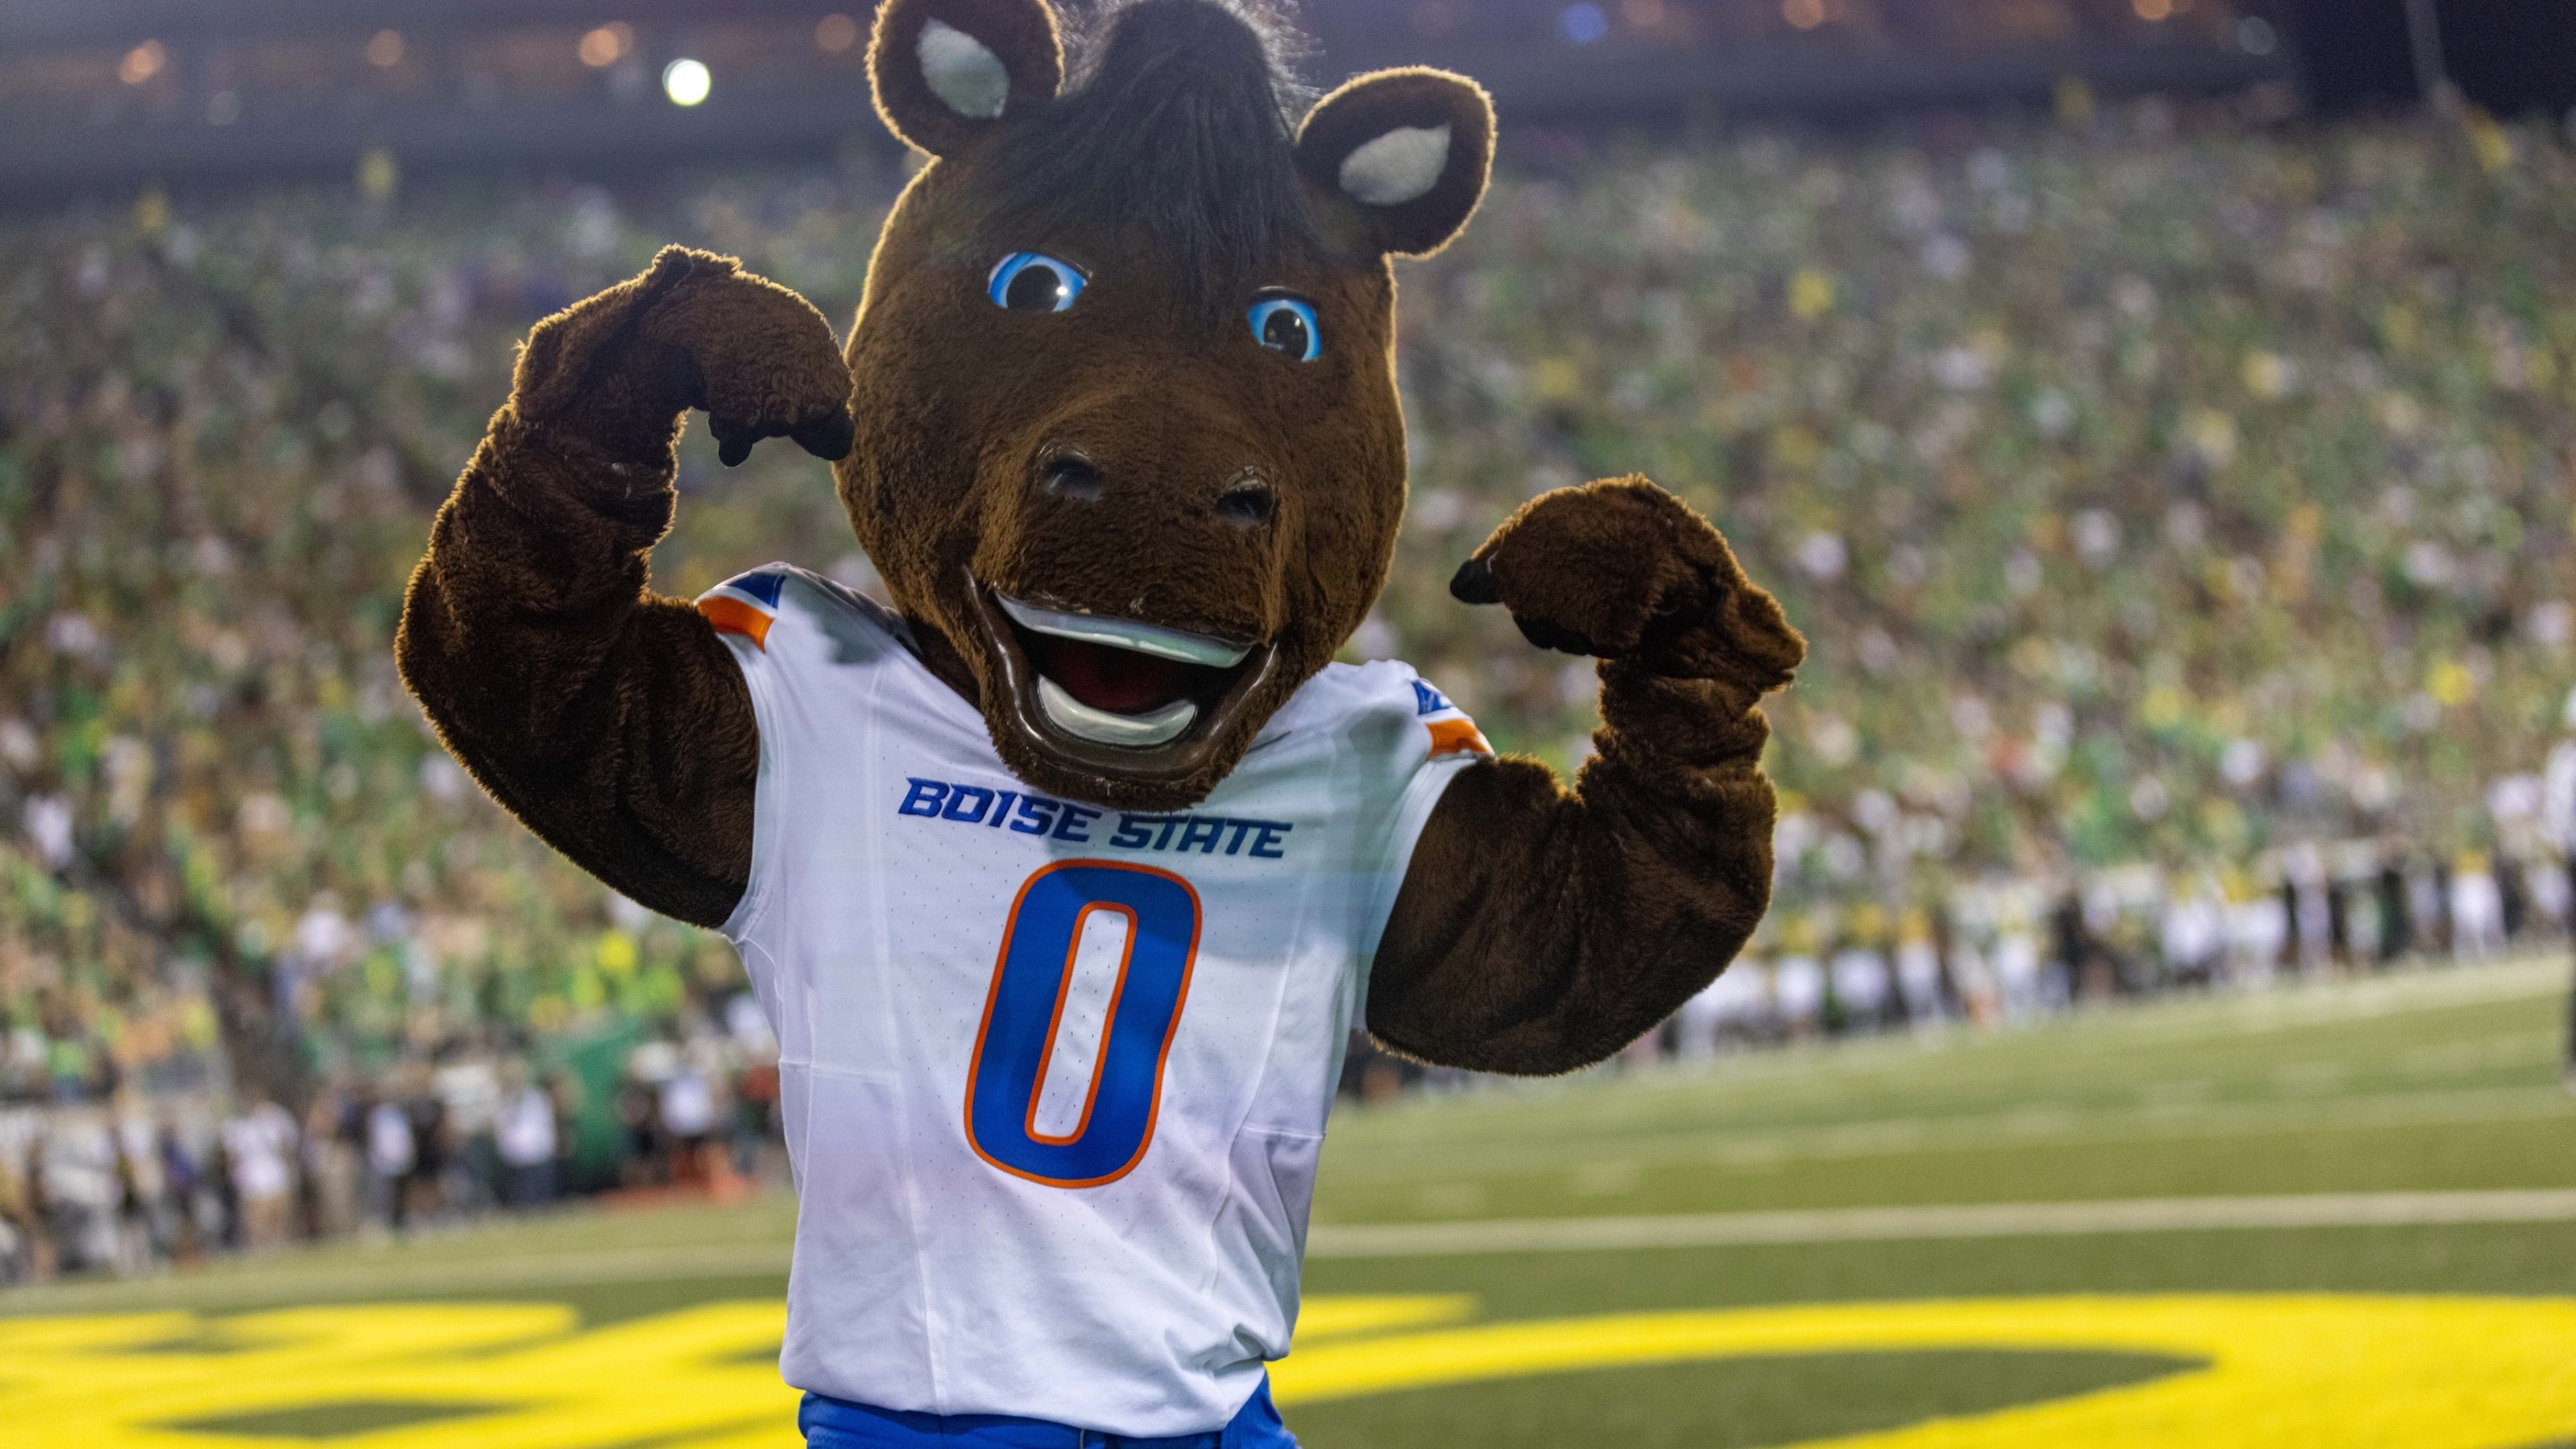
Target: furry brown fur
1541 929
609 719
1137 454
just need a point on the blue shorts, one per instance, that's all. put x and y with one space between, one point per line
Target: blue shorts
839 1424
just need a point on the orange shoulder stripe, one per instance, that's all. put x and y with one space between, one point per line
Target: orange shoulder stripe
1456 737
733 616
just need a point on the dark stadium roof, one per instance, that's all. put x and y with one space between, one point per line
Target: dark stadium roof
116 93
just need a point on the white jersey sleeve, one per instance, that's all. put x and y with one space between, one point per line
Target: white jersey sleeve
1402 743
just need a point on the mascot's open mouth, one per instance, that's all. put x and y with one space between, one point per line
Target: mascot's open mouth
1118 696
1116 681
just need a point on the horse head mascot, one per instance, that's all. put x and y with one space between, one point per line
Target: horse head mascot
1065 880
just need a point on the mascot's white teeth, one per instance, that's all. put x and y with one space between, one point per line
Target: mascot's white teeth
1151 639
1106 727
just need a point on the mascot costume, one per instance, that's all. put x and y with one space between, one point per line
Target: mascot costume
1065 880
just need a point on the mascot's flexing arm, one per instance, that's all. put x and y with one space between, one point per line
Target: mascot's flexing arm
1065 881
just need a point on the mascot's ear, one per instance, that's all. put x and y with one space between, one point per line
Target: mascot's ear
1404 152
945 70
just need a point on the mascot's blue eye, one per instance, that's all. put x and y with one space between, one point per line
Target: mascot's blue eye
1034 282
1286 324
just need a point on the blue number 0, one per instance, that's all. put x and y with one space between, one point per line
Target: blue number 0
1026 1007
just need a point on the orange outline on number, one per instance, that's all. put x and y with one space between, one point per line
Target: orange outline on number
1162 1055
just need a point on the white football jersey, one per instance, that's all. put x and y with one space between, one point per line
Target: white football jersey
1055 1076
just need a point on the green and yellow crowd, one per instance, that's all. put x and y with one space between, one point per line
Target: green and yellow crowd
2163 496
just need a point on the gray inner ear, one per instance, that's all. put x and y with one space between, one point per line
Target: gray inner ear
1397 167
962 71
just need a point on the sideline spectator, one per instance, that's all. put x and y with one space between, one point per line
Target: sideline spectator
1860 985
391 1155
1918 971
334 1168
2477 909
260 1149
527 1138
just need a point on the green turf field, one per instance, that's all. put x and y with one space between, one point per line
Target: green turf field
2334 1214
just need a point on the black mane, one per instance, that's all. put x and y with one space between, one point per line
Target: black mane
1177 120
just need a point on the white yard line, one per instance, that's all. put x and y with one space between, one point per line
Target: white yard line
344 1279
1983 1220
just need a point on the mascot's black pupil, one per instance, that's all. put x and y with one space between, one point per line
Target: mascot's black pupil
1284 331
1036 289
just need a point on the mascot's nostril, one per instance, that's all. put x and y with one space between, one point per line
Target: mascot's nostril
1247 503
1073 477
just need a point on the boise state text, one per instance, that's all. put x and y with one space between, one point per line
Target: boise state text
1064 820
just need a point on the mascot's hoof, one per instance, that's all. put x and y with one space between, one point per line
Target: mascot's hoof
1474 583
1565 641
826 438
830 439
1621 569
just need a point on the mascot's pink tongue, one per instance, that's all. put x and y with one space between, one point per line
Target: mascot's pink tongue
1121 681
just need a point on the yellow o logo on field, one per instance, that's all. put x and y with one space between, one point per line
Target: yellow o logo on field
2418 1372
2409 1373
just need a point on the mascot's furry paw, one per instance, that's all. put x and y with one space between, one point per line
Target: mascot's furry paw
696 331
1623 570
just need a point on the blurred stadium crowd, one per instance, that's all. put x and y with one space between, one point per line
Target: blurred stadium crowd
134 1181
2180 511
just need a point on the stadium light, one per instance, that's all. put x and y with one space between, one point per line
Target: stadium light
686 81
605 45
142 63
1583 24
385 49
836 32
379 174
